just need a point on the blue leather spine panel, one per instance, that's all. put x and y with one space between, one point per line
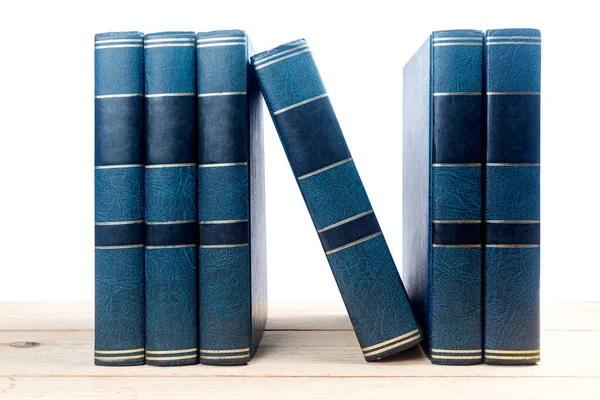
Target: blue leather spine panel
232 281
119 199
512 197
170 199
337 202
442 186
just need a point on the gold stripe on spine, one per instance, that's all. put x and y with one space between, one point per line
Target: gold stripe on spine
280 59
457 221
513 164
171 165
513 93
171 358
300 104
458 44
118 358
473 39
512 351
262 60
222 44
222 246
139 221
118 41
230 164
119 351
116 46
345 221
225 357
247 349
512 357
152 46
456 165
458 246
393 346
125 246
118 166
183 94
519 221
171 351
344 247
513 246
514 42
186 221
114 96
456 351
170 246
457 94
513 37
216 39
169 40
390 341
221 94
223 221
456 357
318 171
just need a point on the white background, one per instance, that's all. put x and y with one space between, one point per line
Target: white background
47 124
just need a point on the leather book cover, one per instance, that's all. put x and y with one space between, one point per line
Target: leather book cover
119 199
170 199
443 154
512 197
231 207
326 174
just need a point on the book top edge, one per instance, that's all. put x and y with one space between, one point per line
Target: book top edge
457 33
222 33
279 49
513 32
171 35
119 35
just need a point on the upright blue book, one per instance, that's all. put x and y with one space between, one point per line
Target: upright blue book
359 257
119 200
231 204
171 214
512 197
443 154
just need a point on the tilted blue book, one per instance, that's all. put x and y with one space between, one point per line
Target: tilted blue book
359 257
119 199
231 203
443 153
171 214
512 197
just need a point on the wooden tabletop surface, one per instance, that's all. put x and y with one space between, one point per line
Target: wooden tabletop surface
308 351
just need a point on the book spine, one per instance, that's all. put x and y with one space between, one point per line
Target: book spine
512 197
119 199
336 200
225 318
171 214
457 155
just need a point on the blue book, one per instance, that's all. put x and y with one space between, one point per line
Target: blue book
119 199
442 211
231 203
326 174
170 199
512 197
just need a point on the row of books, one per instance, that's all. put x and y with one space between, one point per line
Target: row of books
180 228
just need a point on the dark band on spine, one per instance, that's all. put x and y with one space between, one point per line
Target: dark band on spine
513 233
119 235
349 232
171 234
218 234
452 234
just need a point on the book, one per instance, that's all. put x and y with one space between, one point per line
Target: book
231 203
170 199
119 199
326 174
512 197
443 153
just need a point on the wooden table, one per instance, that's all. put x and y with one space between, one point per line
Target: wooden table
309 351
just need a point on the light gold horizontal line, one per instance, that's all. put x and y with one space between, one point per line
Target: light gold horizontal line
458 246
512 164
116 46
185 221
513 93
170 246
118 358
506 221
263 60
318 171
281 59
223 221
216 165
222 246
157 95
118 41
170 165
119 351
512 351
169 40
513 246
458 44
171 351
514 42
139 221
225 357
221 94
345 221
384 349
513 37
457 351
119 166
436 94
222 44
390 341
152 46
457 221
437 356
474 39
116 96
456 165
171 358
346 246
125 246
216 39
299 104
247 349
513 357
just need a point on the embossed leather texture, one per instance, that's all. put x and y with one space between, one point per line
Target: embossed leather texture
171 199
512 191
442 186
337 202
232 262
119 199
